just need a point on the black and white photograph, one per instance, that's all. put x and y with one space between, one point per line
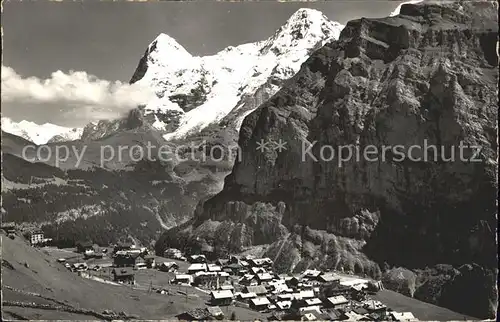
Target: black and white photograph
249 160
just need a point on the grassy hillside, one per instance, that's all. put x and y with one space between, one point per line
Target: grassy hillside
59 286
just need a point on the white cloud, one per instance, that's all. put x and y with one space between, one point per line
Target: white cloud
76 89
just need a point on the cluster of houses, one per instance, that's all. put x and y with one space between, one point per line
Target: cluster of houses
252 283
126 259
35 236
313 295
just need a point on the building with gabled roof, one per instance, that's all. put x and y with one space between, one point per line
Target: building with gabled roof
257 289
124 275
284 305
259 303
168 266
216 312
403 316
248 279
199 314
183 279
337 301
197 267
265 262
353 316
264 277
197 258
313 301
221 297
327 278
311 273
214 268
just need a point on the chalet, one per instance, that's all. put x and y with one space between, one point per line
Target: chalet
197 259
222 297
150 261
257 270
335 289
197 267
246 296
261 262
172 253
123 275
278 288
264 277
210 279
124 260
379 316
374 306
337 302
292 282
183 279
78 267
328 278
311 274
194 315
215 312
168 267
122 247
284 305
316 309
214 268
313 302
402 316
140 262
9 226
308 316
249 280
227 287
332 315
36 237
84 246
307 294
259 303
353 316
10 229
257 289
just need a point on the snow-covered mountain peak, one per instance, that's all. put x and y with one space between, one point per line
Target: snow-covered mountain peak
40 134
302 30
166 51
194 92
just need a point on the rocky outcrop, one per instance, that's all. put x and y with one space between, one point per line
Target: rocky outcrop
402 103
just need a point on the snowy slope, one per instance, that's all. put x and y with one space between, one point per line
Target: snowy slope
398 8
40 134
194 92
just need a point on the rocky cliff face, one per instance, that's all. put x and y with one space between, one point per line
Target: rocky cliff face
403 84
